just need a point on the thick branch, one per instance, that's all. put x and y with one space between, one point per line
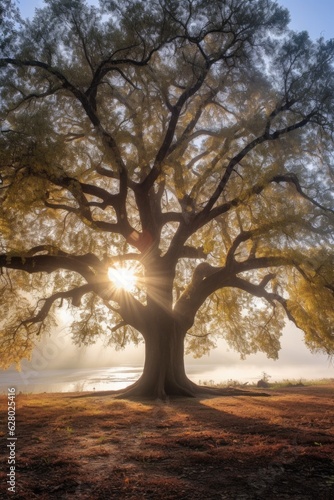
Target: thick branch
260 291
188 252
289 178
88 266
79 189
175 114
266 136
47 264
293 179
75 294
253 263
89 258
208 279
132 311
121 257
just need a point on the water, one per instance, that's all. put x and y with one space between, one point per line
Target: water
70 380
78 380
119 377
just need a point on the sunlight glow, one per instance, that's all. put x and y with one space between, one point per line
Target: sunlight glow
123 277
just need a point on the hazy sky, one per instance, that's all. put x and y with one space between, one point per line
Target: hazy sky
315 16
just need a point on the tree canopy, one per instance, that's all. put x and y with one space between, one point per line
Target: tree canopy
187 143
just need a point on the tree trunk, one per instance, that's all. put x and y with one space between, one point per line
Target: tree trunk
164 372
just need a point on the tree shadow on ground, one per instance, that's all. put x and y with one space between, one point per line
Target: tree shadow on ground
232 447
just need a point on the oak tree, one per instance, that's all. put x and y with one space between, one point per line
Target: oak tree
166 174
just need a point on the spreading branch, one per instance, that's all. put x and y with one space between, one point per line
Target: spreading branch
75 294
47 264
266 136
257 189
260 291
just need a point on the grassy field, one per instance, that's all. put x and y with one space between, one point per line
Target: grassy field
91 445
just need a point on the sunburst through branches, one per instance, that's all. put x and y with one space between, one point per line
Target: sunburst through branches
123 278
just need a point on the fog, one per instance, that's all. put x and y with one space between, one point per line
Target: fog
58 365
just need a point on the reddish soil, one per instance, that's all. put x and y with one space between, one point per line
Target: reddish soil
92 446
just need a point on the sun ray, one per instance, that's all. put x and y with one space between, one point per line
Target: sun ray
123 277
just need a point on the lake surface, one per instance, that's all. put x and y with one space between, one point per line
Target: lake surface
118 377
73 380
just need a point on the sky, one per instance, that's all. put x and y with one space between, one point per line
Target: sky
295 361
315 16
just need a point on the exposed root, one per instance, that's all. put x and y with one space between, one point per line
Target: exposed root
140 390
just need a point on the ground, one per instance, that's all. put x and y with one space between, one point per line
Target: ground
90 445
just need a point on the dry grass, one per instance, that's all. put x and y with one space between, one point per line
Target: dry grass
87 446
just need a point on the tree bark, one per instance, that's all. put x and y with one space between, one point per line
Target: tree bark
164 371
